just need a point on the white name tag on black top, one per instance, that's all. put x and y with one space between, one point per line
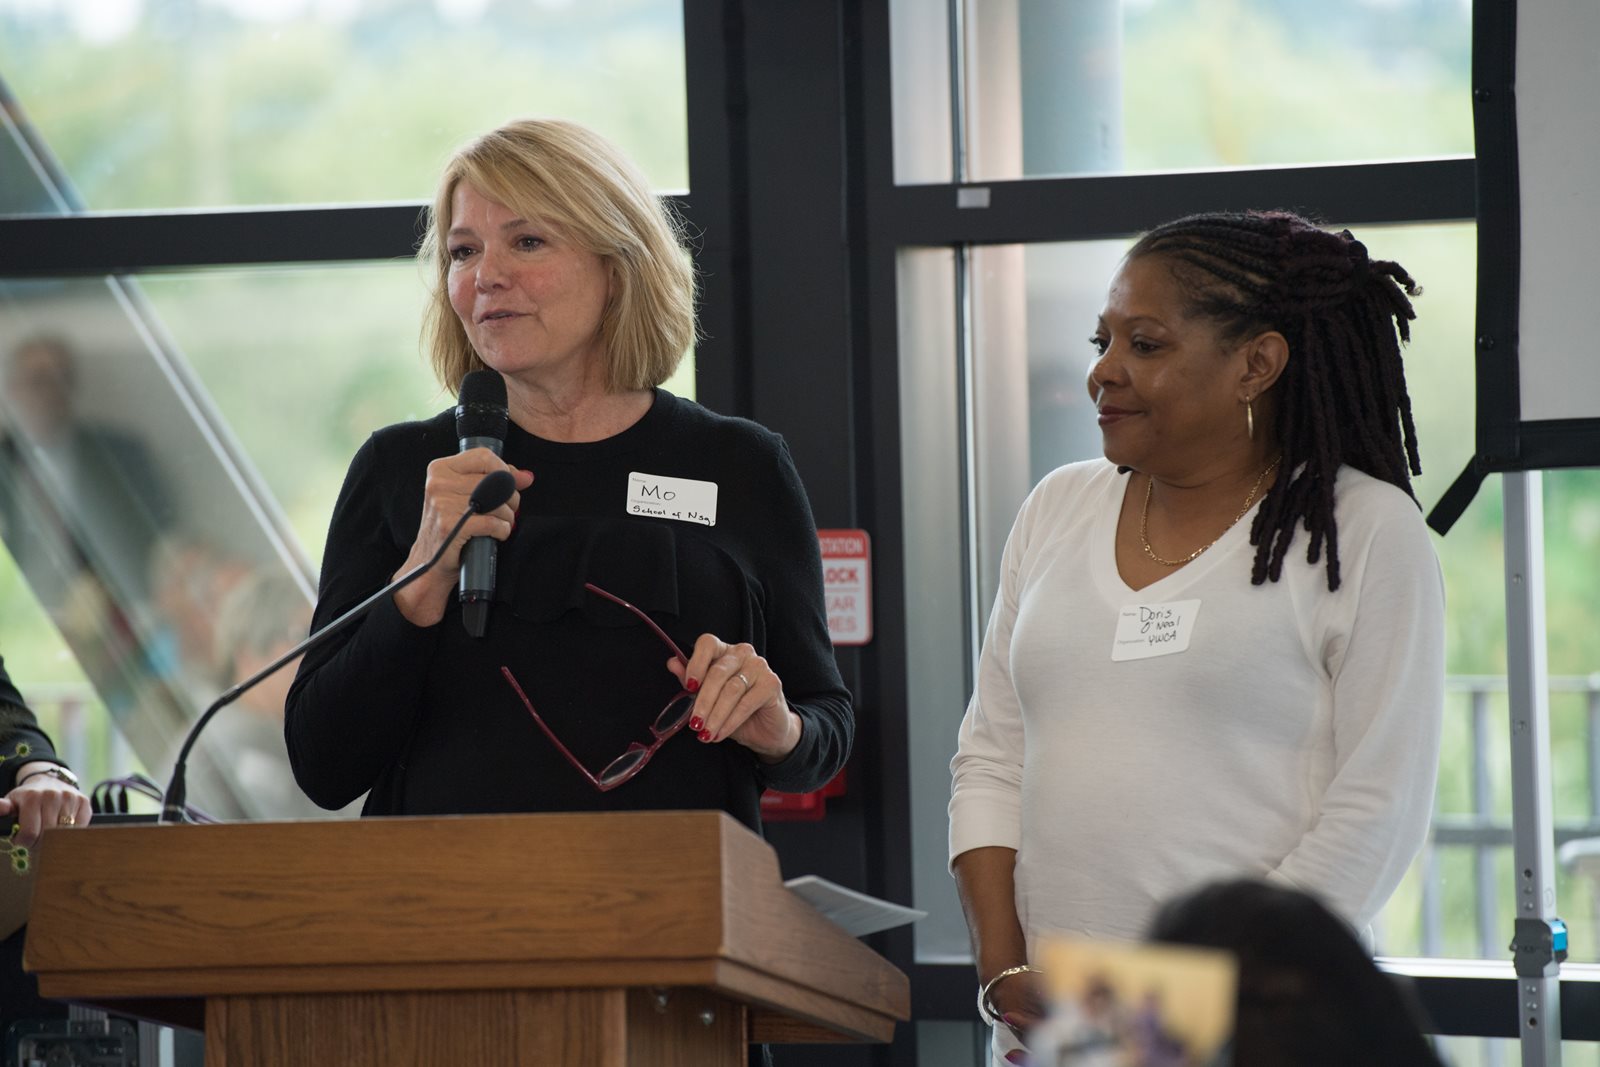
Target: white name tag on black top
1147 630
684 499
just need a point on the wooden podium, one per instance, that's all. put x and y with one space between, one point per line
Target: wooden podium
650 938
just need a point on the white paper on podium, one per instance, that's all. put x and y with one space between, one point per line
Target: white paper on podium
856 913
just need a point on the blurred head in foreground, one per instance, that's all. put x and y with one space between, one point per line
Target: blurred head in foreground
1309 994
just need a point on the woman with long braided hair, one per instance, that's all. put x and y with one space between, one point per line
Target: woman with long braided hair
1218 652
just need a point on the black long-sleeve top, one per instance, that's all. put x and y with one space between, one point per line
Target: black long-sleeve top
18 727
423 718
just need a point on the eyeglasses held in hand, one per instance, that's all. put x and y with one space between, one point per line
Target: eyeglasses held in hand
668 721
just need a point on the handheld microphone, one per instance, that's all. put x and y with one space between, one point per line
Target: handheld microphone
481 420
492 491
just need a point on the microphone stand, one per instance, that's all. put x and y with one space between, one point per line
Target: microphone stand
172 804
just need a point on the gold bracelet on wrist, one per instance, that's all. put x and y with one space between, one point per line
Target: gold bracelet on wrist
985 1006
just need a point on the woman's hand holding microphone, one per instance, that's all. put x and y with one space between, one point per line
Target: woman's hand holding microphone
445 495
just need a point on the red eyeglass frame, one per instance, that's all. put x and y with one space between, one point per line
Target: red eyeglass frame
640 754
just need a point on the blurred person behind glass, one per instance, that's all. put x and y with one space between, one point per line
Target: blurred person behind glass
239 767
556 267
81 508
76 495
190 580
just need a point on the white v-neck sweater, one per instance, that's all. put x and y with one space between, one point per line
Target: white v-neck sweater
1297 738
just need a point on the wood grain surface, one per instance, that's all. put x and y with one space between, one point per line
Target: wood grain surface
685 1028
583 1028
528 902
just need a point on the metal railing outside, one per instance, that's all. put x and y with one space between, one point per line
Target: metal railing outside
1488 833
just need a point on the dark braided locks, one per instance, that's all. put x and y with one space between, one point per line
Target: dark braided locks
1342 396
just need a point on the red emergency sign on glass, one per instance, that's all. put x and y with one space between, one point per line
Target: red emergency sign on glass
847 584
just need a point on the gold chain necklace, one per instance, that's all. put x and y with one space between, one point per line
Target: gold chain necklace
1144 520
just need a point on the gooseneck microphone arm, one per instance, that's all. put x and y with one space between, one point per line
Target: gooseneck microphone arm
491 491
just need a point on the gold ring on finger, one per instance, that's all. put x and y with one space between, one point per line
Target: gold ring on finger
742 678
67 820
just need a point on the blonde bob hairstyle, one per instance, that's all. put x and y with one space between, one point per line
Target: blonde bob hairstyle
564 174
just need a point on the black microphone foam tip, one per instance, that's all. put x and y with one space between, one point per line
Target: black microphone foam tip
481 406
495 489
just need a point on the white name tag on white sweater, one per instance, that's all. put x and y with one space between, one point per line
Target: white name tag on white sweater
684 499
1147 630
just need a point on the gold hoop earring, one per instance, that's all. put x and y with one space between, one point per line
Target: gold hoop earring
1250 419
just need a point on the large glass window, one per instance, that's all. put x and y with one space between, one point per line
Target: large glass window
1112 86
144 537
55 686
298 378
200 103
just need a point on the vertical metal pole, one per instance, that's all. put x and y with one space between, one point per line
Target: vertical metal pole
958 90
1527 674
1432 939
967 416
1490 929
1592 710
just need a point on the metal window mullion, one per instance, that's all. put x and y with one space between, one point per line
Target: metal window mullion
1592 693
1532 812
958 91
1432 924
967 420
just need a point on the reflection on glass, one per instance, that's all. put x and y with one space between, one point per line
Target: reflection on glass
54 685
302 364
242 752
919 69
1042 89
937 637
150 104
85 511
129 518
68 480
82 508
1107 86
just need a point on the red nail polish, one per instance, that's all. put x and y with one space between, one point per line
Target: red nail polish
696 724
1016 1056
692 685
1007 1019
704 735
